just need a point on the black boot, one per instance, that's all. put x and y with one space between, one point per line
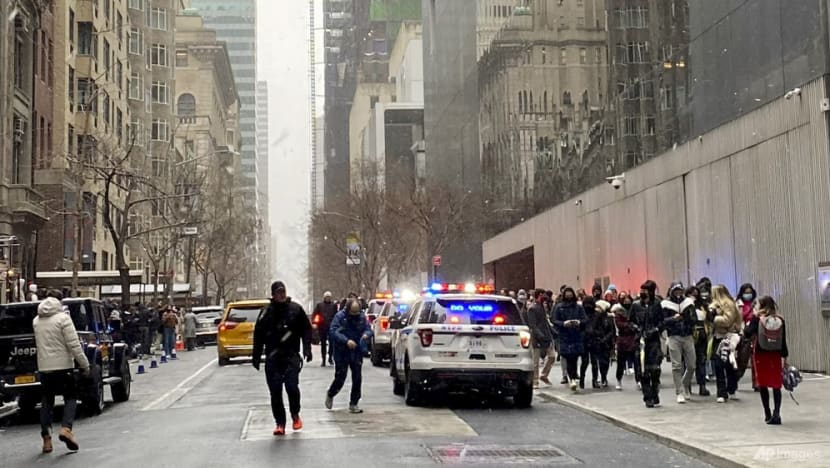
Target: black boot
767 415
595 384
582 383
775 420
703 392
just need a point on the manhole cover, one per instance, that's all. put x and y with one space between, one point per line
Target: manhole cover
500 455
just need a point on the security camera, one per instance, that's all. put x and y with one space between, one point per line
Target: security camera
616 181
797 91
578 203
789 95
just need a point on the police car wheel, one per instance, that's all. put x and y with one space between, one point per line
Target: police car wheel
412 395
377 361
524 398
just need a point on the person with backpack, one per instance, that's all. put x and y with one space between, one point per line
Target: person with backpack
769 357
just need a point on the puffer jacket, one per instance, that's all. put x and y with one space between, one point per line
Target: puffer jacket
726 319
58 346
627 330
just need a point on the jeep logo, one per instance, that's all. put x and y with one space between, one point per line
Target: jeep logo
24 351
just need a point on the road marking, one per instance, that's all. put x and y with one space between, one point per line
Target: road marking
178 387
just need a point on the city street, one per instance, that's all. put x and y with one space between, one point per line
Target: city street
192 412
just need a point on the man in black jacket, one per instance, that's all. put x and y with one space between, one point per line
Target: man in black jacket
321 318
649 318
280 329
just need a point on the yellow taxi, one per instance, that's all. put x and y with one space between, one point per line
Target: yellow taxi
235 335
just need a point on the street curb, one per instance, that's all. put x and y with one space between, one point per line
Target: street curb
686 448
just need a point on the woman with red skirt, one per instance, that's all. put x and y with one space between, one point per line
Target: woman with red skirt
769 337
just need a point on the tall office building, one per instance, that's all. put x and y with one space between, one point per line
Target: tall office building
264 233
235 24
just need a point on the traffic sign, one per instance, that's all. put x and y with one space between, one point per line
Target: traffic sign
436 260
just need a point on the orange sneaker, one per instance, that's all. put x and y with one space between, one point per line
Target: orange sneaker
298 423
279 430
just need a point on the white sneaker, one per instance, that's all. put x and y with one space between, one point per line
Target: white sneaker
619 385
639 386
681 399
573 385
721 400
733 396
687 394
354 409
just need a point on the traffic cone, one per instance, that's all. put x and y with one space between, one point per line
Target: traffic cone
141 366
163 359
179 343
153 363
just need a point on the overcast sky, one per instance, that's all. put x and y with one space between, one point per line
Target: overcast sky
283 49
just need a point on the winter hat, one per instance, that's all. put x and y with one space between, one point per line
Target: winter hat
603 306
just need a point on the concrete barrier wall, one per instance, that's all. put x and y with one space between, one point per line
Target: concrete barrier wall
747 202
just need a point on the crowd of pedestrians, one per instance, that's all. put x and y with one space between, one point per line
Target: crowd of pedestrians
704 332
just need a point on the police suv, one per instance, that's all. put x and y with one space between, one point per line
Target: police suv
461 338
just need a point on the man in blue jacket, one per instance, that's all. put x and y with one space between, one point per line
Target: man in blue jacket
349 333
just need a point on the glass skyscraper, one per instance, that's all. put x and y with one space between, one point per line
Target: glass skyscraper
235 24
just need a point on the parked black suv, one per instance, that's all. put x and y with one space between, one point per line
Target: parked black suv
18 355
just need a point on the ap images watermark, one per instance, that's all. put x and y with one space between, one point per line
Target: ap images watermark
777 453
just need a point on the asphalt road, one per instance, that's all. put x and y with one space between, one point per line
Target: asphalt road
193 413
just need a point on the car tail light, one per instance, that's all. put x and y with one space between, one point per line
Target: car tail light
227 326
426 337
384 323
499 320
524 337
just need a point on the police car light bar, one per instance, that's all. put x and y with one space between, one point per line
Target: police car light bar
468 288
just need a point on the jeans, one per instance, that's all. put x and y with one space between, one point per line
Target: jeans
651 385
537 362
625 357
169 340
284 373
57 383
343 363
682 348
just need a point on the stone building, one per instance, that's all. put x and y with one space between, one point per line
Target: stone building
25 133
542 89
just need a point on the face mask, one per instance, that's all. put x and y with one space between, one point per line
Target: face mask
570 298
704 296
747 297
643 296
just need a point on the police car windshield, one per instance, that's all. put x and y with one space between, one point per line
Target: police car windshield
473 312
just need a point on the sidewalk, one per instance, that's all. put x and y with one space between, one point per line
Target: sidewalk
730 434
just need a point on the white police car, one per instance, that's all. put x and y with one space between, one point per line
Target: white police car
451 341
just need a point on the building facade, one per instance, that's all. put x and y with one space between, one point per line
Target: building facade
263 255
208 129
744 199
542 86
26 77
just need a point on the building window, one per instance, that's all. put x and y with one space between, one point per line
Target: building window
563 56
666 98
121 32
580 21
86 39
107 114
137 4
70 86
158 19
119 75
181 58
648 89
186 104
86 95
136 46
119 124
136 86
583 56
161 93
136 132
633 52
632 18
107 58
566 98
160 130
580 3
158 55
651 125
71 27
631 126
